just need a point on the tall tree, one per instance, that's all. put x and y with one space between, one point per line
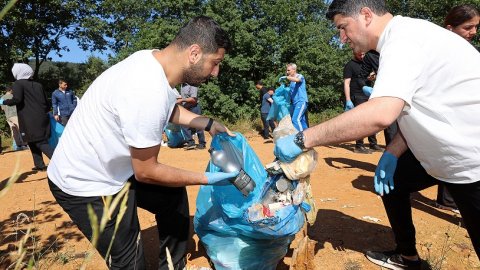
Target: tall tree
32 29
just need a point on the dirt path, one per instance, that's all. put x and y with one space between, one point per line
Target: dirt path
345 228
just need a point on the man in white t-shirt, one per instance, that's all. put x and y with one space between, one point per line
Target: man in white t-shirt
114 137
429 79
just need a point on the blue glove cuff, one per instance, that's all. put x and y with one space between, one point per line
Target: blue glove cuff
367 90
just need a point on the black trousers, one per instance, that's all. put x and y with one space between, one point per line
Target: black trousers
444 197
267 124
390 132
170 206
64 120
37 148
410 177
372 139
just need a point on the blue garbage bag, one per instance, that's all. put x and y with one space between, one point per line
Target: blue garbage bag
281 103
221 221
175 135
56 130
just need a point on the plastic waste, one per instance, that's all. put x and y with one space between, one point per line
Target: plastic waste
242 182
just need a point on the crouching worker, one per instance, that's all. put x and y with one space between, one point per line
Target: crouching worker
114 137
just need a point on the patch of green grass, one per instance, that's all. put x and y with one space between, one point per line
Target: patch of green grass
7 143
246 126
317 118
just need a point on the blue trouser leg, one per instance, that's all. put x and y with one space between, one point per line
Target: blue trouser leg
298 116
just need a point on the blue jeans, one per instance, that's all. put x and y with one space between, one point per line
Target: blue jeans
187 131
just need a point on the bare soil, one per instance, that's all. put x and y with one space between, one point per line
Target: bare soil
350 216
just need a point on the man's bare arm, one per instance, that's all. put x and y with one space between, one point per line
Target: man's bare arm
362 121
148 170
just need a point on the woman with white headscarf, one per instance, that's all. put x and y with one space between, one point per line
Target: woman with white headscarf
32 110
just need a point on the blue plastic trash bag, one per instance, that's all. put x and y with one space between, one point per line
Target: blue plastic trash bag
222 223
281 103
56 130
244 253
175 135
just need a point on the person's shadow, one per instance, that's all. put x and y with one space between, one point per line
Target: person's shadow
151 246
346 232
365 183
21 179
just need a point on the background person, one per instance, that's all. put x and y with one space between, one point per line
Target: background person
12 121
354 96
298 93
115 138
189 100
267 101
32 110
64 102
411 88
463 20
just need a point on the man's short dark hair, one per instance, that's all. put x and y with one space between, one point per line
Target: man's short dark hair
351 8
60 81
259 83
205 32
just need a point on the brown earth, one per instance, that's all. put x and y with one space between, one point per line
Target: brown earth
346 224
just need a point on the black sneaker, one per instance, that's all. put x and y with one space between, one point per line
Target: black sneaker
201 146
189 146
39 169
450 208
361 150
392 260
376 148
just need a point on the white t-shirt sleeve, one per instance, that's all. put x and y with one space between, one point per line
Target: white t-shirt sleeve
142 118
400 70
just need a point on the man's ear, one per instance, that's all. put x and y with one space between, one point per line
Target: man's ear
194 53
367 14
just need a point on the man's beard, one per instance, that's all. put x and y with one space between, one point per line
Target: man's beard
193 77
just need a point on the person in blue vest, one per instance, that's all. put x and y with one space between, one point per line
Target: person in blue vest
298 93
64 102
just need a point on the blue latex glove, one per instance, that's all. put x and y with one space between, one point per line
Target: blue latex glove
348 105
286 150
367 90
383 180
220 178
282 78
1 101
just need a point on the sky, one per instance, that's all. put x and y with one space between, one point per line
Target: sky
75 55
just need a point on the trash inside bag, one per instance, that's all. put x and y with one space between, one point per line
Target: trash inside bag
175 135
236 231
301 167
285 127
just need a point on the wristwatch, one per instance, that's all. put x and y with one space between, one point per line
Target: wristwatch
209 125
299 140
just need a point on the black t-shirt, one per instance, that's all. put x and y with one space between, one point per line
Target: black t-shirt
353 70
